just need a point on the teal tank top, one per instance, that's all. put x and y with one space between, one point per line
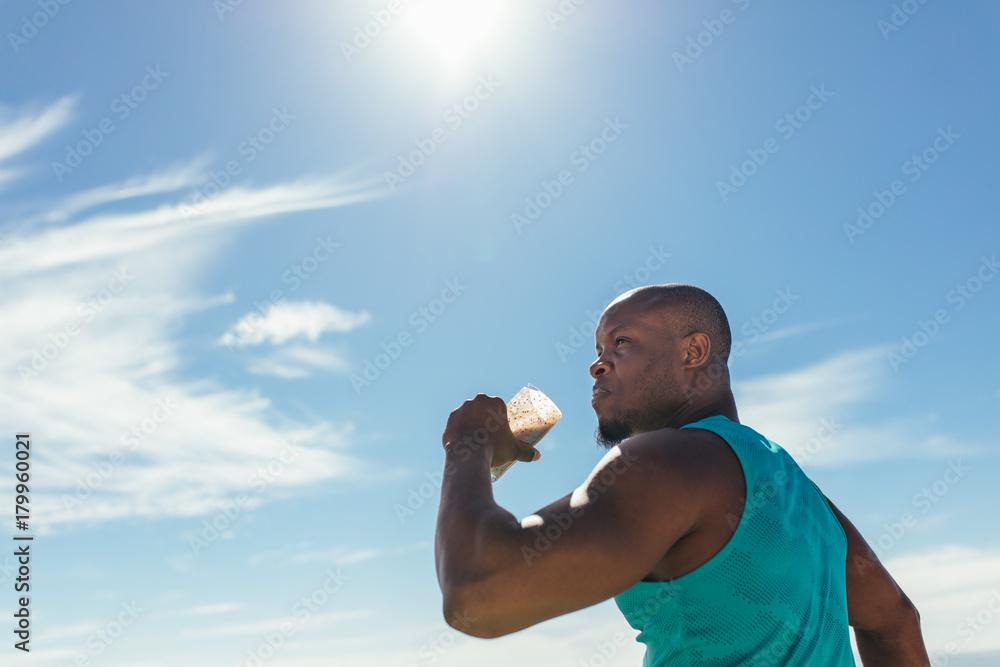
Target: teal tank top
775 594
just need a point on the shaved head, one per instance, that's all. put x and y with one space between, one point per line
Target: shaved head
686 309
662 354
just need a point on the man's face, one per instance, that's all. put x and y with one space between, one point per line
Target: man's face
636 385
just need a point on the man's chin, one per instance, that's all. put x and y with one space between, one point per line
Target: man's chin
610 435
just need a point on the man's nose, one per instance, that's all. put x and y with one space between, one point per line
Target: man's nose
598 368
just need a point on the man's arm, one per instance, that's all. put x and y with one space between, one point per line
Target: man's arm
886 624
499 575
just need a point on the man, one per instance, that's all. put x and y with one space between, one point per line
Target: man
713 542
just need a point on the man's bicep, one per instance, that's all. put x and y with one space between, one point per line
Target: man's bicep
592 544
873 598
605 521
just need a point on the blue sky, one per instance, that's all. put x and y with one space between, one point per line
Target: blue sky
215 218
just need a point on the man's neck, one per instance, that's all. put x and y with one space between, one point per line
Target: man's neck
721 403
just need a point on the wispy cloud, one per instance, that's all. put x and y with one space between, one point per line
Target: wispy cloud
94 354
298 362
201 610
816 413
298 554
218 608
175 178
105 235
254 628
292 319
567 640
22 129
797 329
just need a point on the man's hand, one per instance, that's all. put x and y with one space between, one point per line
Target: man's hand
480 425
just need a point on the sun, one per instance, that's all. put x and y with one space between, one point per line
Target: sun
454 28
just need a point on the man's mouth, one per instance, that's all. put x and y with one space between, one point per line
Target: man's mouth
598 394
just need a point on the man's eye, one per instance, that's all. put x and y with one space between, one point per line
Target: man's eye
619 341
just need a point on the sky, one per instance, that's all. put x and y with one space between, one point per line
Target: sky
253 254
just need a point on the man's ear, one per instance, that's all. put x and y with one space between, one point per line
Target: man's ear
698 350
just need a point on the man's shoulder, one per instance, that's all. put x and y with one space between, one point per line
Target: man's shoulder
677 477
670 470
678 451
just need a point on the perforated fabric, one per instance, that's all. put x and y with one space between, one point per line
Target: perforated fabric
775 594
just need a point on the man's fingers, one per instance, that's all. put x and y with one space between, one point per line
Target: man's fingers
527 453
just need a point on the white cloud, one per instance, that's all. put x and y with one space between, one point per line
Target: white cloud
201 610
86 388
106 236
953 587
257 628
20 131
816 414
277 369
170 180
293 319
778 334
299 361
298 554
218 608
567 640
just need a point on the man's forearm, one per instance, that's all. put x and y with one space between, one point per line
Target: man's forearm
470 523
902 648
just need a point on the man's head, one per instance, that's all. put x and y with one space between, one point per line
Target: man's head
661 357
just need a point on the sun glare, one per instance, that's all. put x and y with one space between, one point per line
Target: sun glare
454 28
